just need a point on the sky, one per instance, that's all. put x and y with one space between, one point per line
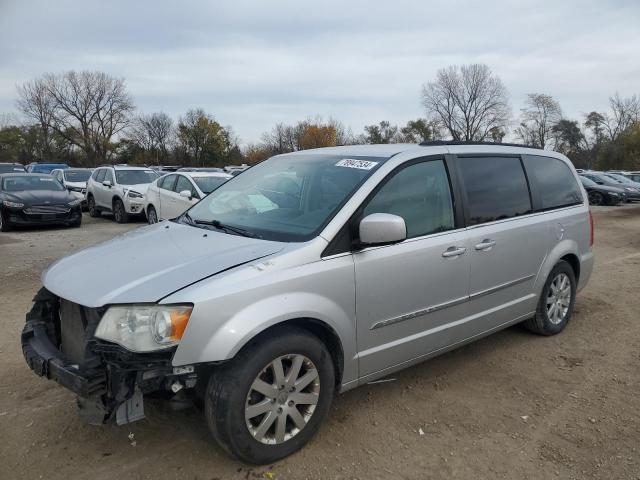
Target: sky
254 64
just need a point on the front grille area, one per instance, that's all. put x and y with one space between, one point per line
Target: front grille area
73 325
45 209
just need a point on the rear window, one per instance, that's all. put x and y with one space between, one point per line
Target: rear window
552 181
9 168
496 188
209 184
72 175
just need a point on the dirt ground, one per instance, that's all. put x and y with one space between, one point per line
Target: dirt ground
513 405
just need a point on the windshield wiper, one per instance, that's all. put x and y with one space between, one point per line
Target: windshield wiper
227 228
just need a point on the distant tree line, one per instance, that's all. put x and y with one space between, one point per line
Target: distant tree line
87 118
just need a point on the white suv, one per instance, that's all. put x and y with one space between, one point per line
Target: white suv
119 189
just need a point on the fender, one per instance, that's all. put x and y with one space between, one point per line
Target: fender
232 335
562 248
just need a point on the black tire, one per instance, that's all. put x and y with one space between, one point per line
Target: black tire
152 215
119 213
596 198
230 385
91 206
541 323
5 226
77 223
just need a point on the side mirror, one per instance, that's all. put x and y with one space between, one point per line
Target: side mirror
382 228
106 183
186 194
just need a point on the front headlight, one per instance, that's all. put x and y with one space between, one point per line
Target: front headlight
134 194
75 203
630 189
7 203
144 328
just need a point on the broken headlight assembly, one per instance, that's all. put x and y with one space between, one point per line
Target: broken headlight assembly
144 328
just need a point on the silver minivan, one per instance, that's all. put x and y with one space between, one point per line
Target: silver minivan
310 274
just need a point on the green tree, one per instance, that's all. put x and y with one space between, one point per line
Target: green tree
203 141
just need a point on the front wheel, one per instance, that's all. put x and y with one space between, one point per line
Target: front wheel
596 198
152 216
119 213
91 205
556 302
4 223
268 401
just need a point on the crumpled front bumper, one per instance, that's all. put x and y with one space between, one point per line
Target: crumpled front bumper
109 380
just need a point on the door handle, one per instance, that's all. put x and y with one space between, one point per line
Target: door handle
486 244
453 252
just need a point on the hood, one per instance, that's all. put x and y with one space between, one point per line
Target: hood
606 188
147 264
140 188
42 197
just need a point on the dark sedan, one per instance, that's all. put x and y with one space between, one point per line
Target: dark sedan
602 194
33 199
631 193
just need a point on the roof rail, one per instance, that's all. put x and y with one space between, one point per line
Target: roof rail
437 143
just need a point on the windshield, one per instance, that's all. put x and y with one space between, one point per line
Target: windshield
135 177
10 168
620 178
587 182
73 175
31 182
209 184
286 198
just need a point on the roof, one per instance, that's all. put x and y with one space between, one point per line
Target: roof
24 174
390 149
125 167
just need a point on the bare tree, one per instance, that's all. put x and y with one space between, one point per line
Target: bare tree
154 133
537 119
88 109
38 105
624 113
469 101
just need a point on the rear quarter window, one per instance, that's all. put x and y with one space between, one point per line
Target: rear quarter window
553 185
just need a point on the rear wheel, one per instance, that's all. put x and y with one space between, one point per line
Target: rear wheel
119 213
152 216
91 205
596 198
268 401
556 302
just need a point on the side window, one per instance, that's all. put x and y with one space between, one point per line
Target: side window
421 195
167 182
552 182
100 175
183 183
109 176
496 188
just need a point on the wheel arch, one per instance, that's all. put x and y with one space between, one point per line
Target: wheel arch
566 250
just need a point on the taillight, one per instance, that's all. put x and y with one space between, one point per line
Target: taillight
590 229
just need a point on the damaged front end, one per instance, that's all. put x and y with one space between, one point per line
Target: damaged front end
59 343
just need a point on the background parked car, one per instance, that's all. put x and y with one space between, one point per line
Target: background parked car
74 180
602 179
12 168
27 199
200 169
602 194
119 189
171 195
627 182
635 176
45 167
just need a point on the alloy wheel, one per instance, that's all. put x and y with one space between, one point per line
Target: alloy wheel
152 216
558 298
595 198
282 399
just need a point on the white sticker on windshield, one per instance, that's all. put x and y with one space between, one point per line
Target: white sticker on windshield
353 163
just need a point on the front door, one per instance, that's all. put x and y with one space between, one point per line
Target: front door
408 295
